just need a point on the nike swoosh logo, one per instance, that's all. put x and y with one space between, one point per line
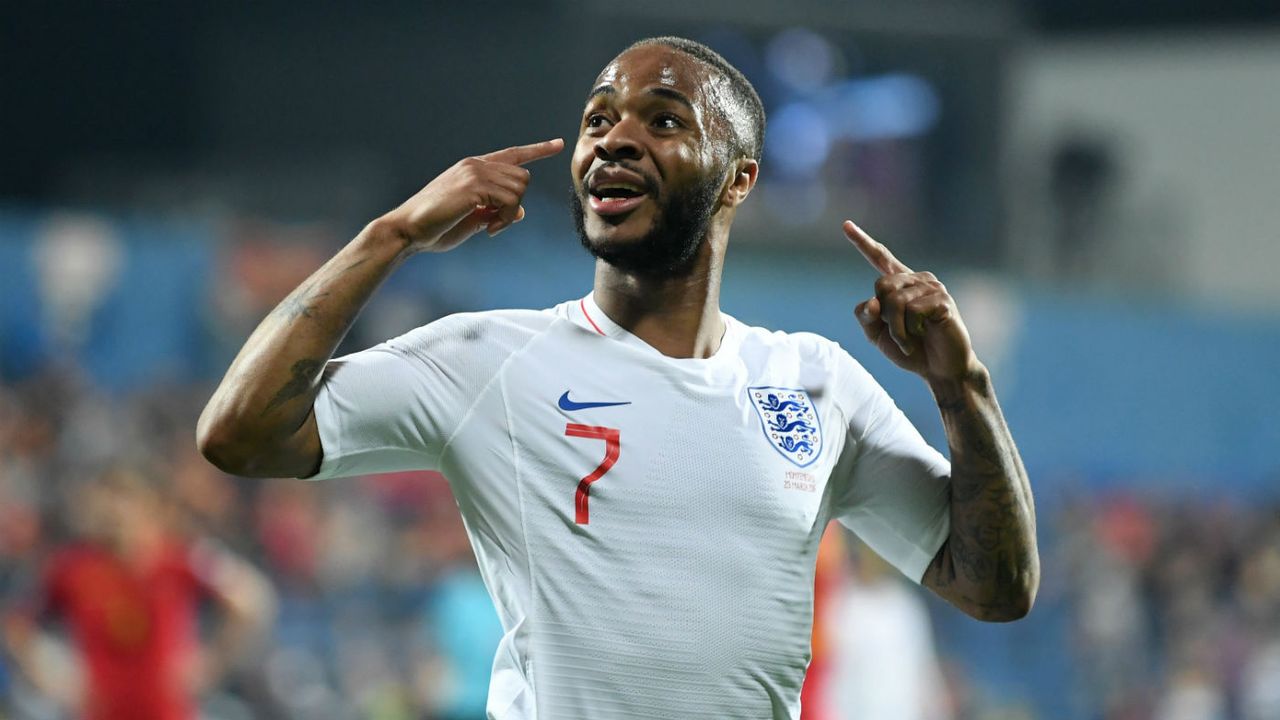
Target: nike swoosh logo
567 404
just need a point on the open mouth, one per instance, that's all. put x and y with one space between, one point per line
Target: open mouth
614 197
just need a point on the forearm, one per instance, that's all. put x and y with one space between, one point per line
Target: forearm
266 395
20 640
989 566
250 608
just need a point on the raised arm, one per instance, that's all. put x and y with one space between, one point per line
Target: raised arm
248 607
988 566
259 421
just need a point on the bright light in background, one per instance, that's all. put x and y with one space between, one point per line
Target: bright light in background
898 105
802 59
799 140
821 106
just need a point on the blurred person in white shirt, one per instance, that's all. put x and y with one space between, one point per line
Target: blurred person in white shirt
883 662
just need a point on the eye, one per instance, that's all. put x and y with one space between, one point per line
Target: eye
667 121
595 120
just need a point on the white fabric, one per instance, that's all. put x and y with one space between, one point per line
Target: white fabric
883 664
689 591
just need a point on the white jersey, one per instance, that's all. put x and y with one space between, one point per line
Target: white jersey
647 526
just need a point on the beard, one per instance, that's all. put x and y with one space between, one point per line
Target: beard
678 232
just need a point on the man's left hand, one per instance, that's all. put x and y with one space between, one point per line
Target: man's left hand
912 318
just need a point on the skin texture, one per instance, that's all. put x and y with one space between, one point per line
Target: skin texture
658 117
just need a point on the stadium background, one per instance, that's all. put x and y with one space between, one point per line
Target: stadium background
1096 181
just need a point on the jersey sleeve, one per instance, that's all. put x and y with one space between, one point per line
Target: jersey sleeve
395 406
892 488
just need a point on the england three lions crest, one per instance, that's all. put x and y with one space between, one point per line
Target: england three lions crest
789 422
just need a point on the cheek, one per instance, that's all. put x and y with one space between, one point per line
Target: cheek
583 156
687 162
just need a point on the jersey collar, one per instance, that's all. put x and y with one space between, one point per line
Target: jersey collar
588 315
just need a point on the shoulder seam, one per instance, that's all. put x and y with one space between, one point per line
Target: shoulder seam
466 416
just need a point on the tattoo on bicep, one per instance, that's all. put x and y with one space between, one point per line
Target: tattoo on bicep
301 376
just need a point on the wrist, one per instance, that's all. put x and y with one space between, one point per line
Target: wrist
387 235
975 380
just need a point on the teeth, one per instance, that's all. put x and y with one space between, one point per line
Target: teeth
617 186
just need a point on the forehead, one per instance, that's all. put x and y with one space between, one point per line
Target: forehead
651 66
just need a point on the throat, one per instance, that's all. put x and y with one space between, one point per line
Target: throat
676 325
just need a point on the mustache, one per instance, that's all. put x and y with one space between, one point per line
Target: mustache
650 182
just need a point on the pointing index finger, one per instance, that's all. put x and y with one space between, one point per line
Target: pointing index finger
521 154
875 253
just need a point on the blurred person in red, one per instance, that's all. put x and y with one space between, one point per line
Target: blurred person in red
129 592
828 579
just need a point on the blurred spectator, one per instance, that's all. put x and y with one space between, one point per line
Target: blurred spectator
460 622
127 591
1169 604
828 587
884 665
1177 607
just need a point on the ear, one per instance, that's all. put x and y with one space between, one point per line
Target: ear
744 177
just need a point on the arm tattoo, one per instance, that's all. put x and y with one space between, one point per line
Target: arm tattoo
300 303
301 377
988 566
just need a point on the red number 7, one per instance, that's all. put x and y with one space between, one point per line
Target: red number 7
612 446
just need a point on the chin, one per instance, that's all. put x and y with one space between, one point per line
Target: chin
632 229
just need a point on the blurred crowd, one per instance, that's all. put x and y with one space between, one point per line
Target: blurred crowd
375 611
1174 605
360 598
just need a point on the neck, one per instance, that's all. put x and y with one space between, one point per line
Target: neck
678 316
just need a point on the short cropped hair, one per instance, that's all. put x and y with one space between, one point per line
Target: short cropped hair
748 128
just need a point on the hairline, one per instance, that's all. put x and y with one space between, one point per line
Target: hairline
753 143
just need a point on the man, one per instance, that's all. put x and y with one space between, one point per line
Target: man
128 593
645 480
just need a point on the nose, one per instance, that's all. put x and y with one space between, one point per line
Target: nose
619 143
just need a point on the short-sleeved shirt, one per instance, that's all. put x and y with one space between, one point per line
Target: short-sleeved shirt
647 526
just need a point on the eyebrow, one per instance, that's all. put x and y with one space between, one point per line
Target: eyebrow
660 91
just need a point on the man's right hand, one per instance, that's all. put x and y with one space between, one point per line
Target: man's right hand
477 192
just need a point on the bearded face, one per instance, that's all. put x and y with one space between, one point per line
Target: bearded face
651 162
677 230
